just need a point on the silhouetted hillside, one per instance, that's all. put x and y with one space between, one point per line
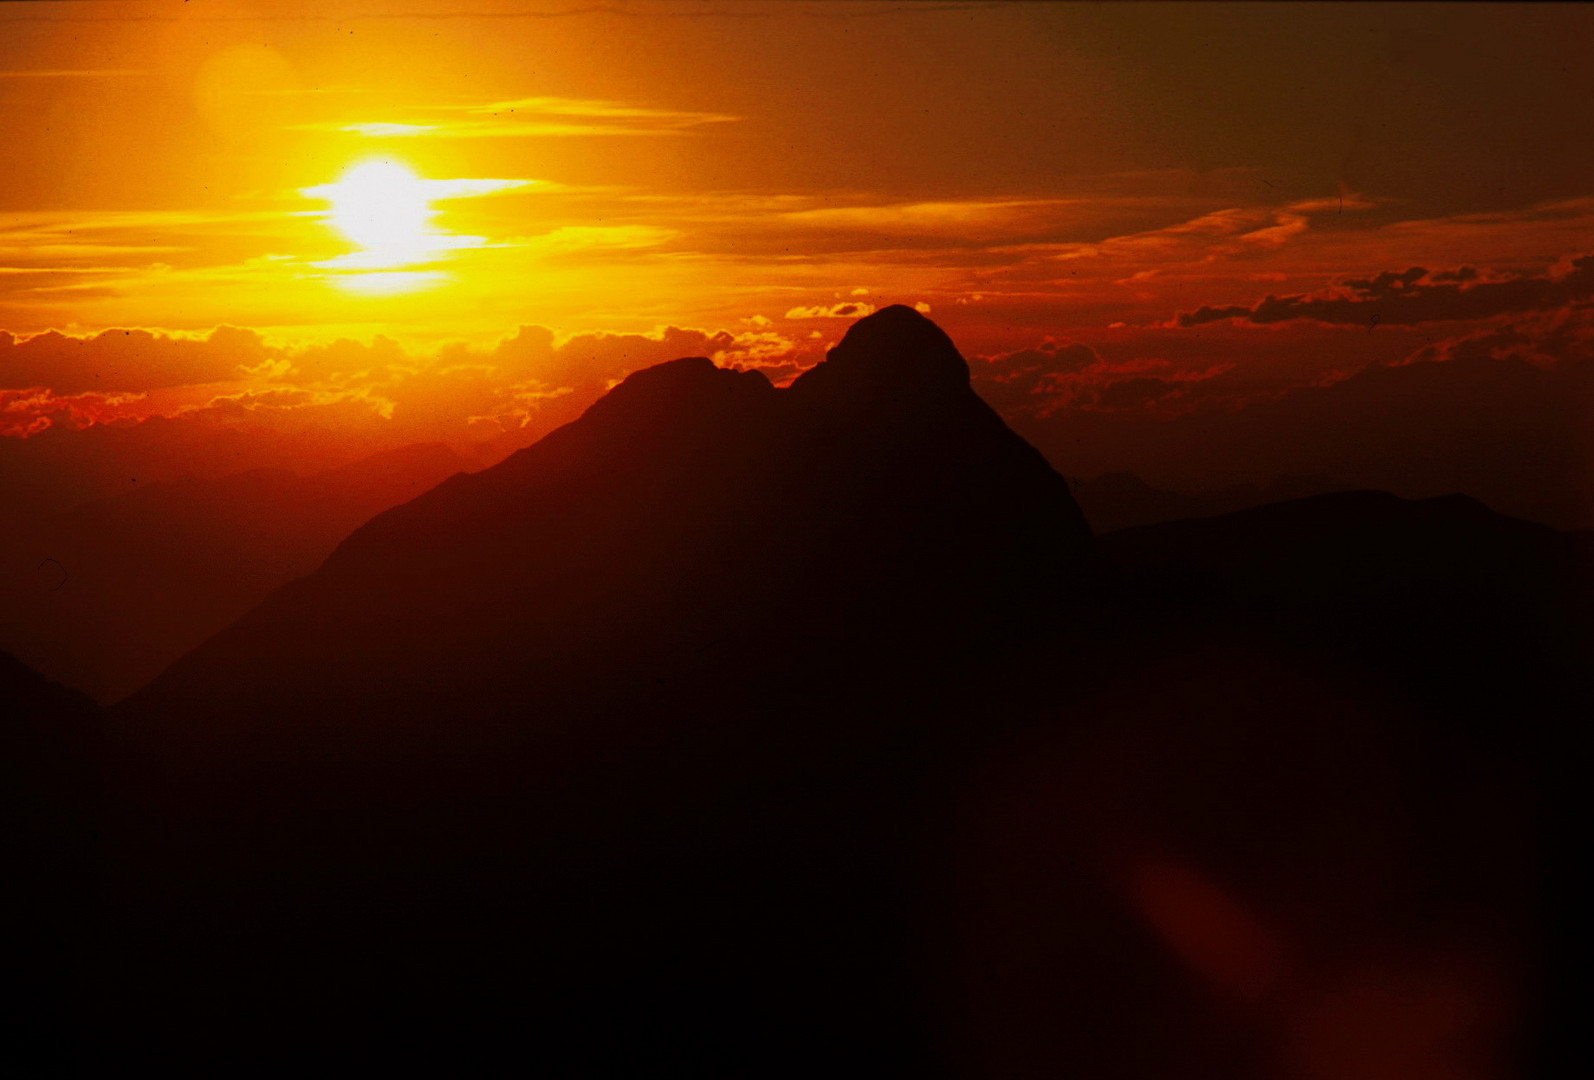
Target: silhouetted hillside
738 731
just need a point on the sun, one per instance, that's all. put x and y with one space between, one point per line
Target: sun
386 209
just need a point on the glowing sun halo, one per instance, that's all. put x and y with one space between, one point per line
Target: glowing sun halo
387 210
383 207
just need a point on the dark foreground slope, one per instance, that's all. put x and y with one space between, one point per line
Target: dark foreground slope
733 731
47 804
1329 755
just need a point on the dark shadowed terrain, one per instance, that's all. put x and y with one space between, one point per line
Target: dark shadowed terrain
734 731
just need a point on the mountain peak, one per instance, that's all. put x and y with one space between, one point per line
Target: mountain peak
690 386
895 350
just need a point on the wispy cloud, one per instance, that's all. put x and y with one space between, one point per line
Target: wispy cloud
69 222
580 238
484 129
956 214
563 106
527 117
100 242
461 188
375 131
1225 232
849 310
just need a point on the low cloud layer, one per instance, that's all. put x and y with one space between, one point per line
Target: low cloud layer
1417 296
131 361
1201 399
84 415
1501 413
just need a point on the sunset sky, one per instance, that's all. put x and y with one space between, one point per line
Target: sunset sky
460 221
831 709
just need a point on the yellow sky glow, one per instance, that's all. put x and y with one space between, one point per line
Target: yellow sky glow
1030 172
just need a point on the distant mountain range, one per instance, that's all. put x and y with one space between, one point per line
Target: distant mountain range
738 731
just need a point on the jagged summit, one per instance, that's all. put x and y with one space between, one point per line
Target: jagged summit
689 387
683 378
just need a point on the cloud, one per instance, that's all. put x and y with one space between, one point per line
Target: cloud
1577 211
586 363
584 238
1338 205
1498 413
89 241
49 259
431 189
1014 380
847 310
309 408
479 129
127 360
531 117
590 107
1417 296
373 131
28 412
1061 376
1236 231
942 215
1118 388
530 380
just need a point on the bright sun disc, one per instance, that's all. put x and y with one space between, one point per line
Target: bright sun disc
384 208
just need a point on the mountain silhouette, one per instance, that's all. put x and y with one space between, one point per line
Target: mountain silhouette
875 512
1121 500
734 730
656 684
47 808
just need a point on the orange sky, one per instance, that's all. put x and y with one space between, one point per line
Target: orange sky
1057 184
